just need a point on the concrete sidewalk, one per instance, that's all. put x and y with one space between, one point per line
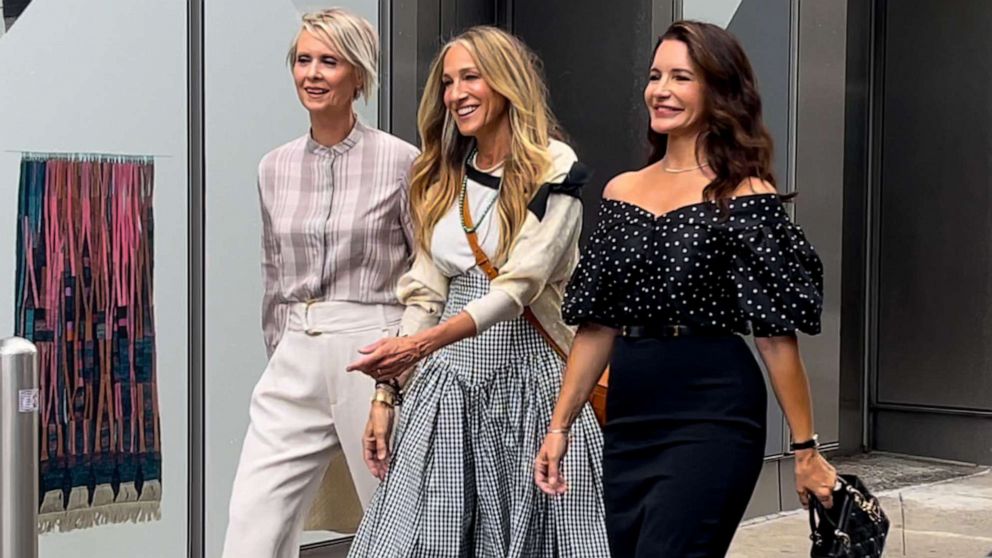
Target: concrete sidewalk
948 519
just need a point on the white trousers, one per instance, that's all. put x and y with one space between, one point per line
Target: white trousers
305 408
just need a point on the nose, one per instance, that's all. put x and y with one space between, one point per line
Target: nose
313 70
456 91
662 91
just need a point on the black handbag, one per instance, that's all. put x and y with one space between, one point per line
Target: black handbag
855 527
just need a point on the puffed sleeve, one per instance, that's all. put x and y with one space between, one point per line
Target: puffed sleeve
777 275
593 294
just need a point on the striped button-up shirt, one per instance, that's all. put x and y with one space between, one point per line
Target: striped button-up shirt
335 222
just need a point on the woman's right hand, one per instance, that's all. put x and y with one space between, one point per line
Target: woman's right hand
376 439
547 465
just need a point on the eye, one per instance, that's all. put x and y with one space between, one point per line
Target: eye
302 59
329 61
682 78
471 77
654 77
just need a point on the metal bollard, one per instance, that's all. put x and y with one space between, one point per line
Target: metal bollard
18 449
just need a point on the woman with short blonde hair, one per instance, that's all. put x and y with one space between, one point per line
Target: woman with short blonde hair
352 37
336 237
497 210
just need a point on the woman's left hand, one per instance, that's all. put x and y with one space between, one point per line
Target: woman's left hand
378 430
814 475
388 358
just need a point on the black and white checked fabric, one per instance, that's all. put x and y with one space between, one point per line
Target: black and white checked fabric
461 482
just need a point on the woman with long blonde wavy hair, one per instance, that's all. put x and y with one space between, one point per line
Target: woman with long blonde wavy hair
495 199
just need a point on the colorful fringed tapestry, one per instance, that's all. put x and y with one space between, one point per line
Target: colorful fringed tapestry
84 297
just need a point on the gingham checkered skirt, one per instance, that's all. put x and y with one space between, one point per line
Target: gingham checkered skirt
461 481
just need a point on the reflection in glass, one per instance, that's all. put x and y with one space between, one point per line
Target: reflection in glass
11 10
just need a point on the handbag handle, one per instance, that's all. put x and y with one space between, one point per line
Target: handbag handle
816 508
482 260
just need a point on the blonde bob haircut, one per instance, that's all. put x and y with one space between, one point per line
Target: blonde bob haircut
349 35
513 71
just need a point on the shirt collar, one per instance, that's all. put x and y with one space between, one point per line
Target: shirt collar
340 148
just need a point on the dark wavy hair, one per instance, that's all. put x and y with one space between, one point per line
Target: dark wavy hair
734 138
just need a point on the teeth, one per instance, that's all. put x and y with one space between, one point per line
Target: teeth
464 111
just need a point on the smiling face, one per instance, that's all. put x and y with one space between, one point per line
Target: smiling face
674 94
325 82
476 108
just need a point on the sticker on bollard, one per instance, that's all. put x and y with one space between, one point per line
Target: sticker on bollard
27 400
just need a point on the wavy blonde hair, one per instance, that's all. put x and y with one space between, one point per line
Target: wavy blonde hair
513 71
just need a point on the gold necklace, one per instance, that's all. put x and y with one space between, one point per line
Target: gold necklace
677 171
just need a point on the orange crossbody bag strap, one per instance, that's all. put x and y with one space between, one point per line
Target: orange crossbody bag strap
482 260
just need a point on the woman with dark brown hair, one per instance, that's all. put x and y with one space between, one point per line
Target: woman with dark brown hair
691 252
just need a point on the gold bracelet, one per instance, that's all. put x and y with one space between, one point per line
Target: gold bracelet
392 390
385 397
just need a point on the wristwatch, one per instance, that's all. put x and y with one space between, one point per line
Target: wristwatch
812 443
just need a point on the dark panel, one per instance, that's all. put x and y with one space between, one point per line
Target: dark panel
935 222
14 8
853 288
596 55
819 175
459 15
959 438
196 180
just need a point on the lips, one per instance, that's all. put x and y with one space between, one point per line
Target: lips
667 110
466 111
316 90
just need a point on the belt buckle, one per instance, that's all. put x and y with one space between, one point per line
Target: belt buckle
675 329
306 312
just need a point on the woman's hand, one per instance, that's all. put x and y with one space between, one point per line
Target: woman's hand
376 439
814 476
547 465
389 358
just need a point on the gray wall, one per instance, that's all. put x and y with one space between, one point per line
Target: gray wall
110 77
933 215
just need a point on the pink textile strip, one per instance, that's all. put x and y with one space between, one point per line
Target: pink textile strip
132 220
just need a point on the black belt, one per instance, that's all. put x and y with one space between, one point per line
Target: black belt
669 330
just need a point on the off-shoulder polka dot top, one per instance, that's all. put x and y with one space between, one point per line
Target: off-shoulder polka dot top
749 268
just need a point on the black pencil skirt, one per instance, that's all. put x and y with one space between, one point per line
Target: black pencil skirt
683 444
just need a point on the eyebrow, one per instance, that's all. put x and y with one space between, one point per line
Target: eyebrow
315 55
461 70
674 70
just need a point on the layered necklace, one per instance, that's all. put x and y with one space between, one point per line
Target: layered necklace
463 194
